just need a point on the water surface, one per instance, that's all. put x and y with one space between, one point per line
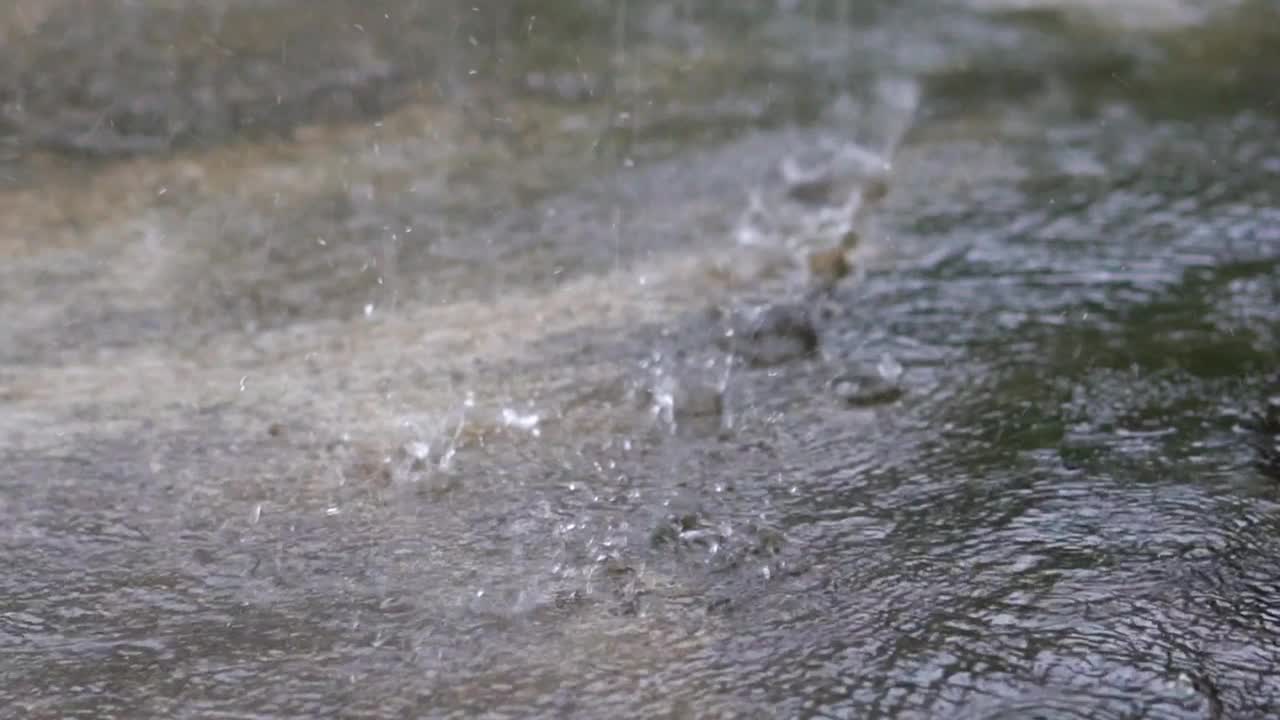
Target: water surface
377 362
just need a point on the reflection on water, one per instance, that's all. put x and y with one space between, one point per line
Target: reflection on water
434 359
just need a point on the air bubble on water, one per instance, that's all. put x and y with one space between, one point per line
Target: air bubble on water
368 309
889 368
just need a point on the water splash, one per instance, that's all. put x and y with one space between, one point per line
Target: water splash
889 368
528 422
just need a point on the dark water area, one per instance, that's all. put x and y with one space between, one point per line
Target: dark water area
619 359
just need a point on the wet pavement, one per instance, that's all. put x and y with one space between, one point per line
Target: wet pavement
430 359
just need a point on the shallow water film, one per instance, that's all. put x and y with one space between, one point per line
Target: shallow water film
689 359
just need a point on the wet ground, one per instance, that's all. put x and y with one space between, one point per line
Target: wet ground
430 359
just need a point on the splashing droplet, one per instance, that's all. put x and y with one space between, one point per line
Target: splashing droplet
420 450
889 368
529 422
